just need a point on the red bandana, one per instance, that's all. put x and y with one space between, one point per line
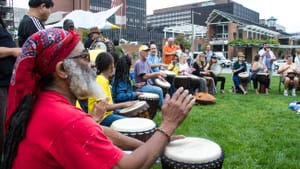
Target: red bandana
40 54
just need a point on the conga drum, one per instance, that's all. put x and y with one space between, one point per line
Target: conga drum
139 128
244 79
140 109
192 152
291 75
262 78
152 99
182 81
164 85
170 75
194 84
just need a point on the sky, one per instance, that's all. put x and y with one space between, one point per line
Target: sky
285 13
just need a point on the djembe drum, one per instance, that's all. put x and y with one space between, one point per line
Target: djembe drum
244 79
262 78
170 75
152 99
182 81
137 110
164 85
139 128
192 152
194 84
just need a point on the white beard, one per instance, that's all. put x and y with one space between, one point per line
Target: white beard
83 81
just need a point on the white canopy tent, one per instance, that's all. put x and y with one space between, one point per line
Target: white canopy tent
87 19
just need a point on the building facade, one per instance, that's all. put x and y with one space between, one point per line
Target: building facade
7 13
198 12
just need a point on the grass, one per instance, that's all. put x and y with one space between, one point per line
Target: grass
255 131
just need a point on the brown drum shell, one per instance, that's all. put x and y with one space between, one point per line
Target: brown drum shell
184 82
262 78
153 106
171 164
143 136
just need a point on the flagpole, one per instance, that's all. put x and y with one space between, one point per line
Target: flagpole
120 35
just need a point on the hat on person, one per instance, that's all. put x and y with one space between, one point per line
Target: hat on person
40 54
241 54
144 48
214 56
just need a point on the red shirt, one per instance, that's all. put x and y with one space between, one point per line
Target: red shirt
61 136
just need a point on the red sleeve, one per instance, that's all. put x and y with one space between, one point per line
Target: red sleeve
89 148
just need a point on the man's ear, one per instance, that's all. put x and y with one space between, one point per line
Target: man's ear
60 70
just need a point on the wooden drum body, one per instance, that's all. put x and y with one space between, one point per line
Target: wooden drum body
262 78
192 152
139 128
244 79
152 100
182 81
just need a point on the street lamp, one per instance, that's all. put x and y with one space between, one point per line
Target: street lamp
193 31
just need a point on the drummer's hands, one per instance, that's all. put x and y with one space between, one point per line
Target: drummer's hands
129 103
175 109
99 109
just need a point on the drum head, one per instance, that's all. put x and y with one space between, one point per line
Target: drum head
244 74
194 77
136 106
149 96
193 150
169 73
163 84
262 74
133 125
100 45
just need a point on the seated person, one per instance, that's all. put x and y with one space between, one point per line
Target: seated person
143 73
154 60
44 128
214 69
259 67
105 67
289 72
198 70
238 67
121 86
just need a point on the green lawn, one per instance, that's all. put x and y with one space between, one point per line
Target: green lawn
255 131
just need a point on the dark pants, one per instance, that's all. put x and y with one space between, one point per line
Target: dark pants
221 79
3 106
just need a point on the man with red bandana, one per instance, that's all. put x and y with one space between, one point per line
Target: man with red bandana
45 129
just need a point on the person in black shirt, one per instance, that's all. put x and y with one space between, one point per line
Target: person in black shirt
39 11
8 54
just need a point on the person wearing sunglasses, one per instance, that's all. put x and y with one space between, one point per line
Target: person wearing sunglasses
46 130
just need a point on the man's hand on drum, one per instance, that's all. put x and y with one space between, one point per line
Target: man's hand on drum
99 109
176 109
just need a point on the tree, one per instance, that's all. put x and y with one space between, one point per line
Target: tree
181 40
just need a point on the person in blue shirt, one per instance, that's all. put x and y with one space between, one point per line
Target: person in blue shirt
122 89
238 67
155 61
